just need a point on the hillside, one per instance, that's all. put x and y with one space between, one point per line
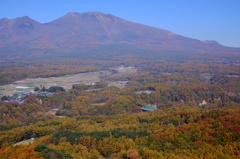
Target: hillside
95 33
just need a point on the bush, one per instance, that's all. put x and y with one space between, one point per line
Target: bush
56 88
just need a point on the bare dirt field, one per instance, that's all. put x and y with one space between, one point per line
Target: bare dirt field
97 104
146 91
24 142
52 111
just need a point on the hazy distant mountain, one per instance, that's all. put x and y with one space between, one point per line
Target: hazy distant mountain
76 34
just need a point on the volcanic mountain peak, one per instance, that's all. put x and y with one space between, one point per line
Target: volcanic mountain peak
94 26
76 31
24 18
86 13
88 17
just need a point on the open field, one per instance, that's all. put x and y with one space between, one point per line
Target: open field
67 81
24 142
119 84
27 85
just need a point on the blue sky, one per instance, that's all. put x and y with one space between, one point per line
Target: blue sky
199 19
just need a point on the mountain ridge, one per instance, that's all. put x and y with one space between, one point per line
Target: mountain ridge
75 31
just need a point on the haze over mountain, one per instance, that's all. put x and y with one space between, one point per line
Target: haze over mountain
80 34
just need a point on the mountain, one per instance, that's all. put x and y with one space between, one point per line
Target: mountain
82 34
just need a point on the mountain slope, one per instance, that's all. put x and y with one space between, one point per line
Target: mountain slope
75 32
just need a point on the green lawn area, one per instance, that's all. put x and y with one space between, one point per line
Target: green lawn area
65 76
40 82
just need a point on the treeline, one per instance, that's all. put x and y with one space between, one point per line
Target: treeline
22 70
74 137
50 89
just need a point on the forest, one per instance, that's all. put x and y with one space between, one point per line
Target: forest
197 115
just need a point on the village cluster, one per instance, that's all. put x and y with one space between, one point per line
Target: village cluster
20 98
